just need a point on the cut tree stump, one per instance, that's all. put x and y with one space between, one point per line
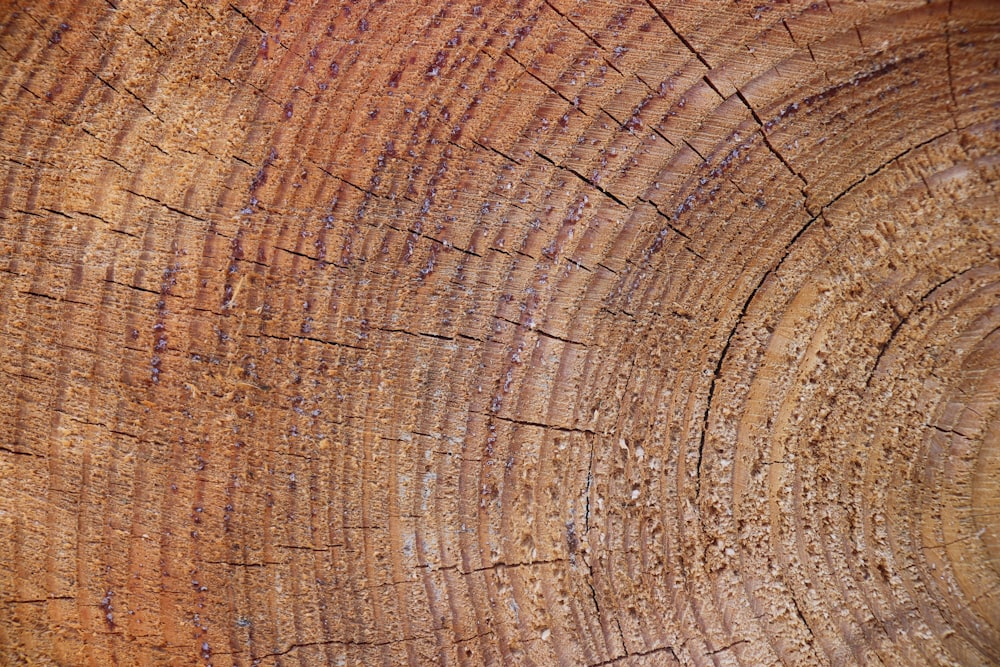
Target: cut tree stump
621 332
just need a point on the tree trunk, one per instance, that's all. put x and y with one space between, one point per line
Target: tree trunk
631 332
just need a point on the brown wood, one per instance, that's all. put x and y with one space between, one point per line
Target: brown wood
542 333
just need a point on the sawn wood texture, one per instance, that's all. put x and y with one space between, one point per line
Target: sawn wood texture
552 332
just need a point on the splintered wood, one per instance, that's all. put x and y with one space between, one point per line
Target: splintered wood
620 332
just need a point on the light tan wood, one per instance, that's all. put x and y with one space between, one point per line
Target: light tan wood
539 333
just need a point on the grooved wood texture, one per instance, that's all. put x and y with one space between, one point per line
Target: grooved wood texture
620 332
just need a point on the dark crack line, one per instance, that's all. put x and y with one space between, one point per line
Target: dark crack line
494 150
623 127
694 150
711 85
620 73
116 163
621 636
586 180
142 103
729 646
673 228
542 332
575 105
550 427
949 431
903 319
802 616
134 287
877 170
679 36
416 334
767 140
16 452
321 341
337 642
166 206
789 31
715 377
573 23
638 654
882 349
57 299
247 18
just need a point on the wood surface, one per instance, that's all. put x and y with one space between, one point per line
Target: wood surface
550 332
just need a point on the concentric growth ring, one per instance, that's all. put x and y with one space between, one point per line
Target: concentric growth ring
580 333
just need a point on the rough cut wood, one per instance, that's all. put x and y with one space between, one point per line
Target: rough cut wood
620 332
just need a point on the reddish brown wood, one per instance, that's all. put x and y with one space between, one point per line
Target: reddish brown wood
625 332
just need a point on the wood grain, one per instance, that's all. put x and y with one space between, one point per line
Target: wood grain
630 332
